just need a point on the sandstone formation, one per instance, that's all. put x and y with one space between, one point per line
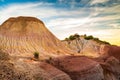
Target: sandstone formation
111 69
107 56
79 68
112 51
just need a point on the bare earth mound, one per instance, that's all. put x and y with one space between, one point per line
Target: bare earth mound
26 35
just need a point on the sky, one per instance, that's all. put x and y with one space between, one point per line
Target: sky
100 18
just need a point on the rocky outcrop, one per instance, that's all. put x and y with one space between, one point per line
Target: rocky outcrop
111 69
79 68
112 51
108 56
110 66
85 47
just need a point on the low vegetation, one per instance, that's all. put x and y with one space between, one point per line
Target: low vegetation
36 55
90 37
72 37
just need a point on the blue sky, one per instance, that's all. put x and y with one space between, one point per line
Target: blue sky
100 18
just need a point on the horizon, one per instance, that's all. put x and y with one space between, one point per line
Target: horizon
65 17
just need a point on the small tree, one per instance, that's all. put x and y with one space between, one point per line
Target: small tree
76 35
71 37
66 39
36 55
89 37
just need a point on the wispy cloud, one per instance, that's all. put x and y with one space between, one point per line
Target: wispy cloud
30 9
98 1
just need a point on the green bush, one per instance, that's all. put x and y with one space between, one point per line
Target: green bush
66 39
71 37
76 35
88 37
36 55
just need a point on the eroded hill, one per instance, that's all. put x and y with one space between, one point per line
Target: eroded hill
85 45
26 35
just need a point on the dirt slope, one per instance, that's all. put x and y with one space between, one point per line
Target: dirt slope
26 35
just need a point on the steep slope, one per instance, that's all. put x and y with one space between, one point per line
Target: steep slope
25 35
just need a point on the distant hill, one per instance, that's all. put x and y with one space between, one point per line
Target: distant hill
90 37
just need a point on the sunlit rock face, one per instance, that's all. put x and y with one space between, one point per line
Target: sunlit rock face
85 47
25 35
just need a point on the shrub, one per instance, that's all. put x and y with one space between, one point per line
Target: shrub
71 37
88 37
66 39
76 35
36 55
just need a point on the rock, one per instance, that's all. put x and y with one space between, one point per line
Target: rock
113 51
79 68
111 69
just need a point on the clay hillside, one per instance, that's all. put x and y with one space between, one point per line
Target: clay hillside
26 35
29 51
85 45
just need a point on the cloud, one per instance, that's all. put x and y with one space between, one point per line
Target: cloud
40 10
102 22
98 1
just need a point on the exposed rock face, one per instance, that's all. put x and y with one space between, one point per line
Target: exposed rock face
110 66
85 47
25 35
79 68
112 51
108 56
111 69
